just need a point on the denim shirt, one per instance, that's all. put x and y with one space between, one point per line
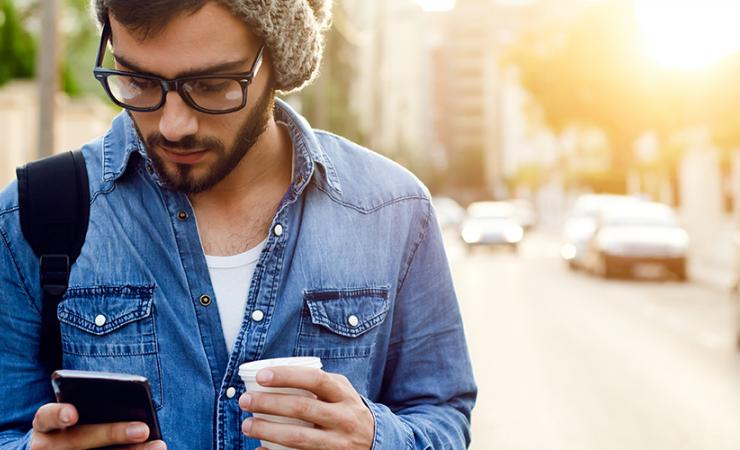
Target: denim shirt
355 235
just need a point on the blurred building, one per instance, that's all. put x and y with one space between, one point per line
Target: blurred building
391 68
428 89
479 109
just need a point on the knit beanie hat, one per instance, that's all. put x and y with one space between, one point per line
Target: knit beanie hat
292 30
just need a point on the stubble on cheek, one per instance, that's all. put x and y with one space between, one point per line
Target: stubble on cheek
220 161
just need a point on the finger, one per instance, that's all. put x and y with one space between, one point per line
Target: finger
295 406
54 416
153 445
317 381
102 435
291 436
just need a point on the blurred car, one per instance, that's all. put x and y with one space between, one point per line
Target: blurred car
524 212
635 235
581 224
736 290
449 213
491 224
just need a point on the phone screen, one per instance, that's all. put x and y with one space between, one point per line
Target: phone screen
102 397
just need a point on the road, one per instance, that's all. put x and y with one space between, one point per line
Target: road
568 361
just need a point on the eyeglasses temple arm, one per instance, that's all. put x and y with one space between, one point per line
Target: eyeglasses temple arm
104 37
257 62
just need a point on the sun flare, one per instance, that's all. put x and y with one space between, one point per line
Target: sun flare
436 5
689 34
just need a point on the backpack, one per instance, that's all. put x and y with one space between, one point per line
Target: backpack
54 202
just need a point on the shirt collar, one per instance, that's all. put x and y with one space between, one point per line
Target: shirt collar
122 140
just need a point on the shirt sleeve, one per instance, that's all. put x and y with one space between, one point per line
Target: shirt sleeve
428 386
24 384
15 440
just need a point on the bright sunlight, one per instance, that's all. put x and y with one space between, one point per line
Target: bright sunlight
436 5
689 34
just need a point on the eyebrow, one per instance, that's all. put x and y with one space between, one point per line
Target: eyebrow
222 68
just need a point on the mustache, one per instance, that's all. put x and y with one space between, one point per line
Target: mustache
187 143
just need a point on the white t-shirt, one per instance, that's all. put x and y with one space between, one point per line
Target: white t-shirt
231 277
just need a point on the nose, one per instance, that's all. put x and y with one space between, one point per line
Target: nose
178 119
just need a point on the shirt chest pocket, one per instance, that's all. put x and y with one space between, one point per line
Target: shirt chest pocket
341 323
111 329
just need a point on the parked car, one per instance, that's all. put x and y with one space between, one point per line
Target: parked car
737 324
491 224
736 290
637 235
524 212
449 213
581 224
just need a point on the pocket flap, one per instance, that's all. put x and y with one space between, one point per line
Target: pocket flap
348 312
100 310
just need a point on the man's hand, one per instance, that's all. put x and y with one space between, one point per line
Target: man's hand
54 428
342 420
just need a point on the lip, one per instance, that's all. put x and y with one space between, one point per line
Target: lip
191 157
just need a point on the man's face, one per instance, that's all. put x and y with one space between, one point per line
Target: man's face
194 151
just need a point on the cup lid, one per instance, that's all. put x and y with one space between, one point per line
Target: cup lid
250 369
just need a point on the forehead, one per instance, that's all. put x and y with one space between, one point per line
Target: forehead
210 36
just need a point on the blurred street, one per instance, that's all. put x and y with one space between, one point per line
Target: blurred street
565 360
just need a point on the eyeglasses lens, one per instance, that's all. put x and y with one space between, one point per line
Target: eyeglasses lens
216 94
135 91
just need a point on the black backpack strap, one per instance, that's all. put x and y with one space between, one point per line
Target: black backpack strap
54 199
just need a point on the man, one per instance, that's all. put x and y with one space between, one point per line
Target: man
224 230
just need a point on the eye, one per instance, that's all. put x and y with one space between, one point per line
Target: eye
142 83
209 85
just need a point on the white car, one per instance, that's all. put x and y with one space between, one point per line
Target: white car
736 290
581 224
524 212
449 213
641 234
736 301
491 224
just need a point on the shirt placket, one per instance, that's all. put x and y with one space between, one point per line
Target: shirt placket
199 287
260 310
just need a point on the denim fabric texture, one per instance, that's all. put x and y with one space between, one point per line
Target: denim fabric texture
358 277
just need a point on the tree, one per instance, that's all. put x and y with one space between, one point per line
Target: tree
326 102
721 104
17 47
81 44
594 72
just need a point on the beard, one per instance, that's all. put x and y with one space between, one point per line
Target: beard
182 177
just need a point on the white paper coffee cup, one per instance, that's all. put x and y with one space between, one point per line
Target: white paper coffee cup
248 373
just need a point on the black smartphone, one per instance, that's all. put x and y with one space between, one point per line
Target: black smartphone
103 397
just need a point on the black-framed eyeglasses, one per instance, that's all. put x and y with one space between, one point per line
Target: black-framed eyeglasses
212 94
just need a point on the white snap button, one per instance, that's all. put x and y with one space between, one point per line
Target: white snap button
258 315
100 320
230 392
353 321
278 230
